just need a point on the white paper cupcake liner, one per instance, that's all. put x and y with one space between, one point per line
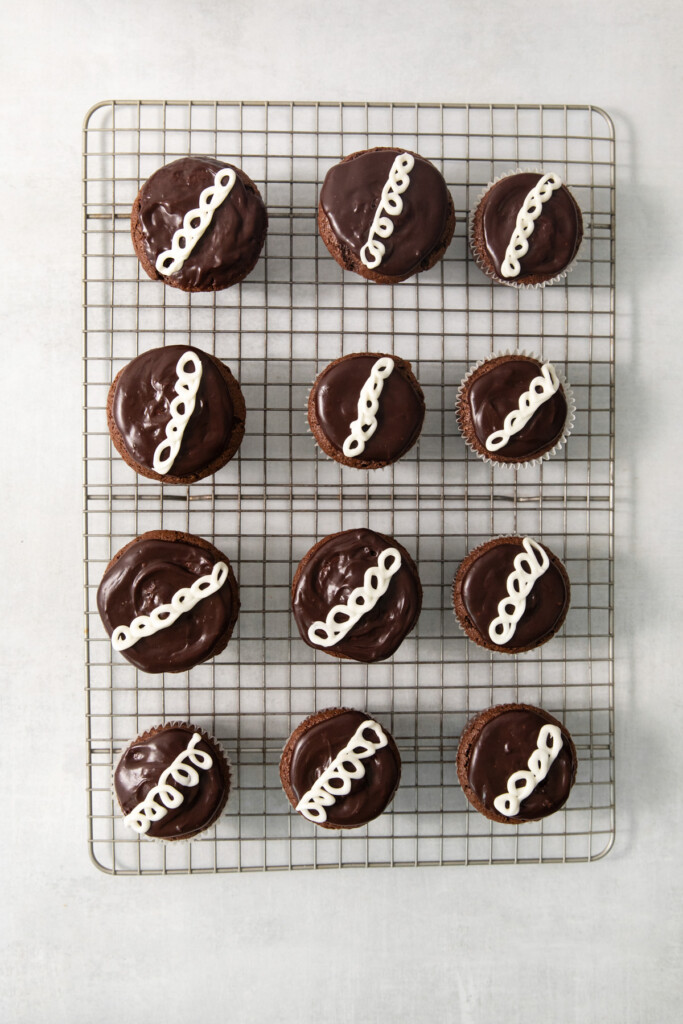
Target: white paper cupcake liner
510 282
210 738
566 430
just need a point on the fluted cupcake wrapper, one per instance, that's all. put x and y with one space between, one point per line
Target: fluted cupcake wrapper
510 282
209 738
568 423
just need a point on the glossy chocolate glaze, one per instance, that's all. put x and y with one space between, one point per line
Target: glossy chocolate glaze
485 585
495 393
232 240
329 576
504 747
142 409
351 193
315 750
139 770
148 574
557 231
399 417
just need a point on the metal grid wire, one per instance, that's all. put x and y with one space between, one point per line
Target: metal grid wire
297 311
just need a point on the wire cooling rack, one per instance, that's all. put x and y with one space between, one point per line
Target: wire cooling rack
297 311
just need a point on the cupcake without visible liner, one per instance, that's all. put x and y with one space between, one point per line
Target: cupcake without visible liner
417 218
140 415
148 573
199 781
370 780
341 404
498 760
333 573
486 592
551 245
495 405
218 245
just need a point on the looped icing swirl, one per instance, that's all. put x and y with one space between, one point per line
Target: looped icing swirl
530 211
372 253
344 617
164 796
529 565
540 390
521 784
362 428
195 222
164 615
182 407
336 780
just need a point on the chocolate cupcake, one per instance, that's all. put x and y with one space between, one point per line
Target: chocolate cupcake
516 763
168 601
340 768
172 782
511 594
514 410
176 414
366 410
198 224
385 214
526 229
356 595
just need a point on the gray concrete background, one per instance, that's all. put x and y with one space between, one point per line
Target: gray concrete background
568 943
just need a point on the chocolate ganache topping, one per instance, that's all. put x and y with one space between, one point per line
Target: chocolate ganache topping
141 408
503 747
352 191
317 748
140 767
329 573
231 242
399 417
495 392
147 574
485 585
557 232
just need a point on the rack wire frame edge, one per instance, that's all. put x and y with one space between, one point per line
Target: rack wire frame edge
518 857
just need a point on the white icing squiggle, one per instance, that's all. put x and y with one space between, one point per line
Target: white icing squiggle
527 569
531 209
548 746
344 617
323 792
390 203
540 390
195 222
182 407
362 429
164 615
149 810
